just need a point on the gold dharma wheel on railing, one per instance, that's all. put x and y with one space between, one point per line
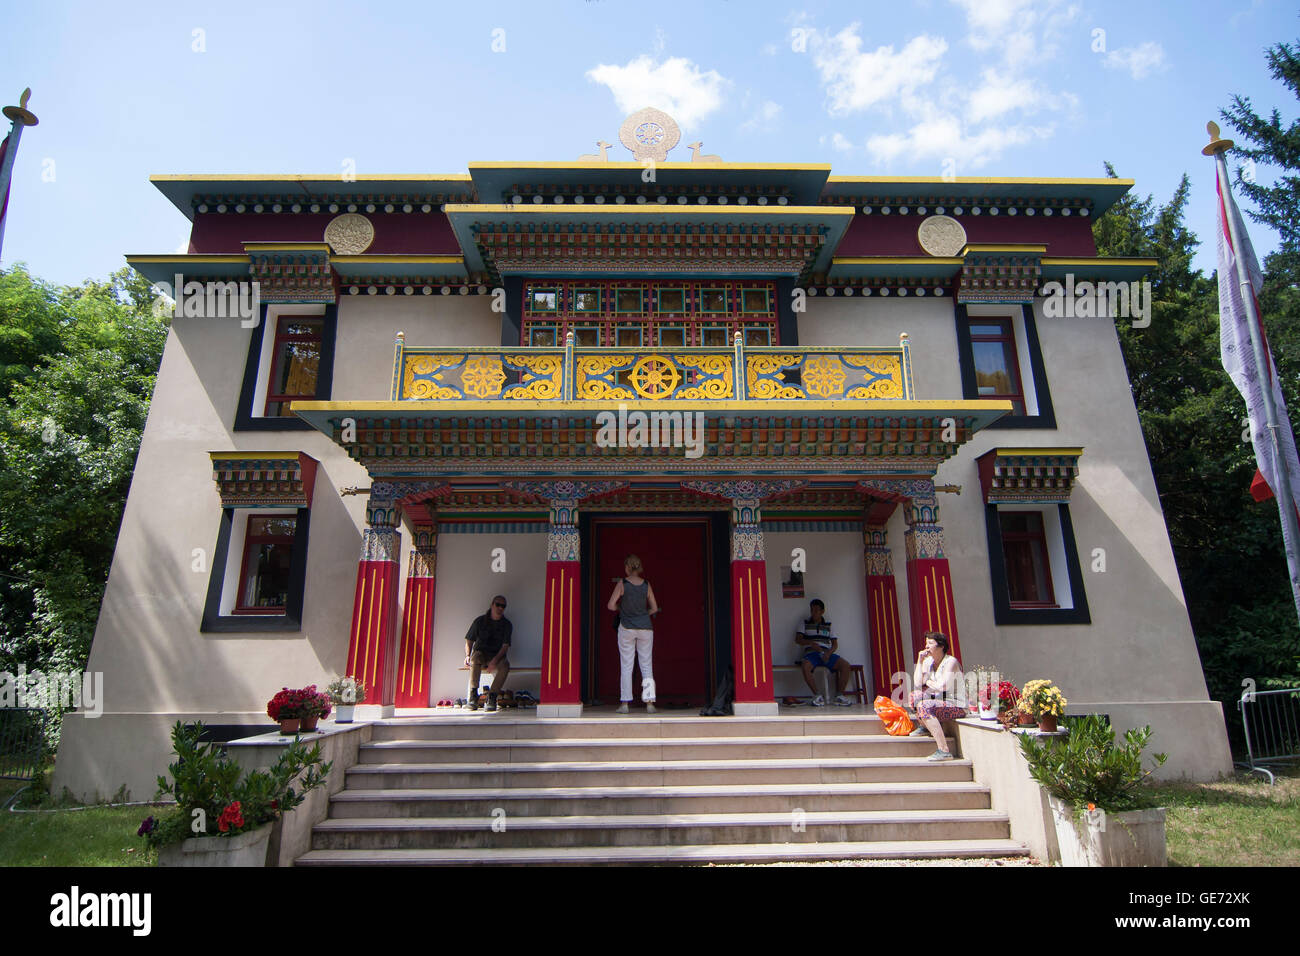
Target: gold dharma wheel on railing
655 377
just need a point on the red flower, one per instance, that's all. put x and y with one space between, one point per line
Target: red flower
232 816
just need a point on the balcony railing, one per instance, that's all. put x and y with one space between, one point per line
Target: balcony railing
568 373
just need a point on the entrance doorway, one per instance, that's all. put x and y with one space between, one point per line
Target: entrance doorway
676 554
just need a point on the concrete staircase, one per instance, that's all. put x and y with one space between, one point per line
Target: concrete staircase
511 789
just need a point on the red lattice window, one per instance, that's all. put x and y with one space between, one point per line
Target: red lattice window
264 572
295 363
1024 548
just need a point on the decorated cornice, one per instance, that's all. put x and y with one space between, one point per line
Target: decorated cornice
266 479
564 489
1000 273
639 193
291 271
289 204
938 204
1028 475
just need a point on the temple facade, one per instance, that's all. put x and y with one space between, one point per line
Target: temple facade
771 383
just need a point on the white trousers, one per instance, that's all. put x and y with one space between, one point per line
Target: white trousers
642 642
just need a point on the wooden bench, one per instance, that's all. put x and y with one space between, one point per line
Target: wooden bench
857 679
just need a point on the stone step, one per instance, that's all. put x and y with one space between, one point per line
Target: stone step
654 772
672 855
502 725
635 749
653 829
751 798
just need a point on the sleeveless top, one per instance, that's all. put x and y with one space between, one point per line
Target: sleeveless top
634 612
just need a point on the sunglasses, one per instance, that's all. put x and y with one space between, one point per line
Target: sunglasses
498 604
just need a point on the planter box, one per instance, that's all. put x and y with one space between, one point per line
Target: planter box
1132 838
244 849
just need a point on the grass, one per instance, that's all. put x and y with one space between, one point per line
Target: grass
1236 822
91 837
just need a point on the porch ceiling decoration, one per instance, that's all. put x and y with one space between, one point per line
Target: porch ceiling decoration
265 479
394 439
1028 475
700 241
276 194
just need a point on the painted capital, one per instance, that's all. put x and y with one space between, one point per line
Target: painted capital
745 488
746 530
380 544
879 560
562 538
564 489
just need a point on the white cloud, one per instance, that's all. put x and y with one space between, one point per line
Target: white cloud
677 86
942 138
840 142
764 118
1140 61
1023 31
856 80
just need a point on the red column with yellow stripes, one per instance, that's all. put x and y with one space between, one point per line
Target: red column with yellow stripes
751 635
929 581
374 614
415 659
561 636
887 655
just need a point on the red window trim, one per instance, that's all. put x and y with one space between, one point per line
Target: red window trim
240 607
1041 537
1008 337
282 337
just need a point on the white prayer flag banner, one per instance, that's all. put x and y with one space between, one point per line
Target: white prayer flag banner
1239 361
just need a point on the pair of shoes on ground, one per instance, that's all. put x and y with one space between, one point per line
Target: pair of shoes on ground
939 755
649 707
488 708
842 701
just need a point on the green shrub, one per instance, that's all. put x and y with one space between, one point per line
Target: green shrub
1087 767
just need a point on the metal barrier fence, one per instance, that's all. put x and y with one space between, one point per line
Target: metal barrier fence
1271 719
22 742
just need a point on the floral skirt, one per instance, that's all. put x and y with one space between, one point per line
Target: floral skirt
939 710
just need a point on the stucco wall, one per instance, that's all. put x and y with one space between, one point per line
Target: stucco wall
1136 660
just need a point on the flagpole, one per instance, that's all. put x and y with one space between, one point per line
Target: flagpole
20 117
1286 504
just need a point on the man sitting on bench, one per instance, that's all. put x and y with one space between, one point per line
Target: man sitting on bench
486 646
820 646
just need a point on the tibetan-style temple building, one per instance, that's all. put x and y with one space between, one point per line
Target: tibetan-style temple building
771 383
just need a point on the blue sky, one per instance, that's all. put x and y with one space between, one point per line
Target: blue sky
977 87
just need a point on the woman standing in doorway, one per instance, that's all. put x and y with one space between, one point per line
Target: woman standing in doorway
634 632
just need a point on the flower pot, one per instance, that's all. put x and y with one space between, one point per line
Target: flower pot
242 849
1047 723
1025 719
988 713
1131 838
344 713
309 723
290 725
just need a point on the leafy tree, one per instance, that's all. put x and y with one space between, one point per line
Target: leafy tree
78 369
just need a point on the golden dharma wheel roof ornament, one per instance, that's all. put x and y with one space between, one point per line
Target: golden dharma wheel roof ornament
649 133
349 234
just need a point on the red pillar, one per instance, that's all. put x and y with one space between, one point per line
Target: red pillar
374 614
751 633
415 661
887 657
929 581
561 641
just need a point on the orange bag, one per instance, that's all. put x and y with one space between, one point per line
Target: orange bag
894 717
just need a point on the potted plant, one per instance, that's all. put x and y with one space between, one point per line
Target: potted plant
1104 815
223 815
1043 701
315 707
287 709
985 696
345 693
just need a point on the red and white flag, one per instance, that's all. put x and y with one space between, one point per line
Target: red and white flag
1239 362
